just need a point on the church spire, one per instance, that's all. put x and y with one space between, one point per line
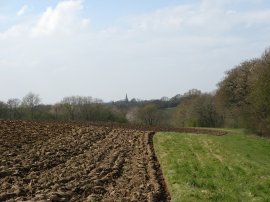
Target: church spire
126 100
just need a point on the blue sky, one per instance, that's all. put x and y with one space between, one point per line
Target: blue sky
102 12
105 49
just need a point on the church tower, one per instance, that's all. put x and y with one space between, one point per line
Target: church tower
126 100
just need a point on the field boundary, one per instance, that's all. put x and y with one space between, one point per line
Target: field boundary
140 127
163 194
207 131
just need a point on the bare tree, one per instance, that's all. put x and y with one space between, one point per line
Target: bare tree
3 110
149 114
70 105
31 101
13 105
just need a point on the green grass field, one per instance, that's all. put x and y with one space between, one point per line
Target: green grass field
235 167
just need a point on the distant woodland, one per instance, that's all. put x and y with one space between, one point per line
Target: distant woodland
242 100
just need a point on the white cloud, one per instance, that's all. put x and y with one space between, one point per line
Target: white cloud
14 31
62 18
3 17
254 17
223 3
211 17
85 22
22 10
170 18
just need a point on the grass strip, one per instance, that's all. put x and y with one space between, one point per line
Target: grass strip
234 167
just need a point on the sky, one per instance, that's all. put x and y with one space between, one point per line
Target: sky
145 48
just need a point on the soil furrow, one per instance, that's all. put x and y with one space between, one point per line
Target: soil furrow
78 162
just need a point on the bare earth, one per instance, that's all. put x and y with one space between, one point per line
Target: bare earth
77 162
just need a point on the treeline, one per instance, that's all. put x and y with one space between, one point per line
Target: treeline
242 100
73 108
78 108
191 109
243 97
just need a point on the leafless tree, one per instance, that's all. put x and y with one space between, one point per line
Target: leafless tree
31 101
13 105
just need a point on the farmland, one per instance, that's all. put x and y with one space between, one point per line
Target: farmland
77 162
65 161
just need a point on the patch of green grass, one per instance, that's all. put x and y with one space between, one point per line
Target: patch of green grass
234 167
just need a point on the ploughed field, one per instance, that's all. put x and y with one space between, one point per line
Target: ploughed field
77 162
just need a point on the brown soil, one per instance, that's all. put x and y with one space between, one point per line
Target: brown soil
197 130
78 162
